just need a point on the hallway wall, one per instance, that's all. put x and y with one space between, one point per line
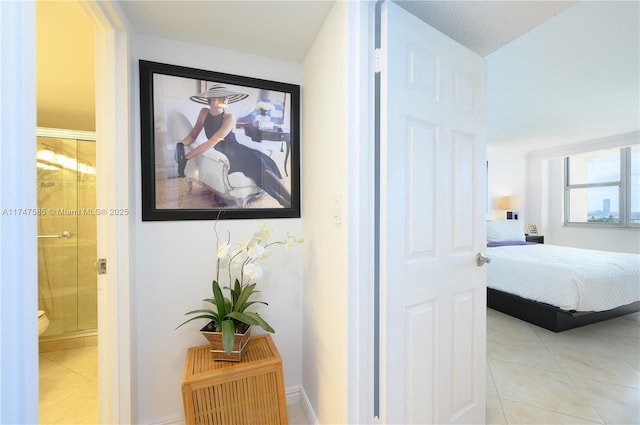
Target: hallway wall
326 155
174 264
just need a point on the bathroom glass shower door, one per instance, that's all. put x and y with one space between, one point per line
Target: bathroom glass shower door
67 249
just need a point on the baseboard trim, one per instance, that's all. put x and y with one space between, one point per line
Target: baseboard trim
292 394
308 409
168 421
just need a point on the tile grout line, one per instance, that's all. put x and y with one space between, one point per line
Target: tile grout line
564 371
495 387
588 401
602 422
71 370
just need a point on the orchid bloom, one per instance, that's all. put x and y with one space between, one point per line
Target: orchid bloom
223 250
255 250
264 231
243 259
253 271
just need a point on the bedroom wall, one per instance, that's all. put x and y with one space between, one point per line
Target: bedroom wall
596 67
506 176
173 260
546 180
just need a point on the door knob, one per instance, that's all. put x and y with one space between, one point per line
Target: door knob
481 260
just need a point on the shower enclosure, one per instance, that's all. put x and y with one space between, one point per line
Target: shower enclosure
67 249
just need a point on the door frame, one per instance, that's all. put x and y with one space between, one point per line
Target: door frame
361 212
18 273
113 132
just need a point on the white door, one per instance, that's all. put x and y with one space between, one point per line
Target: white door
432 225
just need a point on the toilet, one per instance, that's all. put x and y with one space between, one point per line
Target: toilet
43 322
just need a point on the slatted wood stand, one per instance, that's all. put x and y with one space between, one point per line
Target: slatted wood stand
250 391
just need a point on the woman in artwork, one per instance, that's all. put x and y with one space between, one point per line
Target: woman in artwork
219 128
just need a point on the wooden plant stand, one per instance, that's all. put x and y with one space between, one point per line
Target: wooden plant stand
250 391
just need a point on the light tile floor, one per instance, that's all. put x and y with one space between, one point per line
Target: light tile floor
69 386
582 376
534 376
296 414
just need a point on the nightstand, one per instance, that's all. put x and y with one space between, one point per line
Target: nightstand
534 238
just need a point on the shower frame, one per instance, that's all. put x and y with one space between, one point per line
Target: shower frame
64 235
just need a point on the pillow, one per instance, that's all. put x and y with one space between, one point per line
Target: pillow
508 243
504 230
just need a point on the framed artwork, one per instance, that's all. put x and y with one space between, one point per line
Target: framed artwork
217 145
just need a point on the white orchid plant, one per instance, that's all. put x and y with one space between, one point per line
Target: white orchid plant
242 267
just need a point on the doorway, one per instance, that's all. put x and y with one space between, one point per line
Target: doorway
67 233
19 356
67 283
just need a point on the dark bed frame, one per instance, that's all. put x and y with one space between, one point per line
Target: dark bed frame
548 316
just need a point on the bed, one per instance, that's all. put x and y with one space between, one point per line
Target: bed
557 287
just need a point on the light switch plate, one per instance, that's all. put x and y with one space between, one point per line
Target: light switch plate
337 209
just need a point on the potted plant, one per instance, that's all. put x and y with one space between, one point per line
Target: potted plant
230 322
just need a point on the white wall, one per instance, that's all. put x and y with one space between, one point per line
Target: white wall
546 183
174 260
18 247
537 176
325 154
507 176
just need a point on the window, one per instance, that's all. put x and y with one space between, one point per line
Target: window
603 187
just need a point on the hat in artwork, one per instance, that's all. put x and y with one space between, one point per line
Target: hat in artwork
218 90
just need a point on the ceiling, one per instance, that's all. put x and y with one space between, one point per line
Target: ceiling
523 112
288 28
484 26
575 78
275 29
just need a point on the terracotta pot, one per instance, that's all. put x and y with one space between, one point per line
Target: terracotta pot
217 349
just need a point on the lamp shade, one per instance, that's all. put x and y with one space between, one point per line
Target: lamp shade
510 203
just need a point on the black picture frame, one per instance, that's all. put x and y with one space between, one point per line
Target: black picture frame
171 99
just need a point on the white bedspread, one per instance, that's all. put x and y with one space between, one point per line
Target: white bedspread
568 278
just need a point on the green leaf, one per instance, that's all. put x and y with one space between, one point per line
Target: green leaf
244 318
250 303
219 299
203 316
200 311
244 296
227 335
251 318
237 289
228 306
234 295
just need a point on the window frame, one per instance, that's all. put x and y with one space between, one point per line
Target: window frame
624 193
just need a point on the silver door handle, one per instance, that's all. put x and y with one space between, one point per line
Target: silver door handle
64 235
481 260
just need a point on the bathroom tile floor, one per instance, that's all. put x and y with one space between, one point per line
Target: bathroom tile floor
69 386
582 376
